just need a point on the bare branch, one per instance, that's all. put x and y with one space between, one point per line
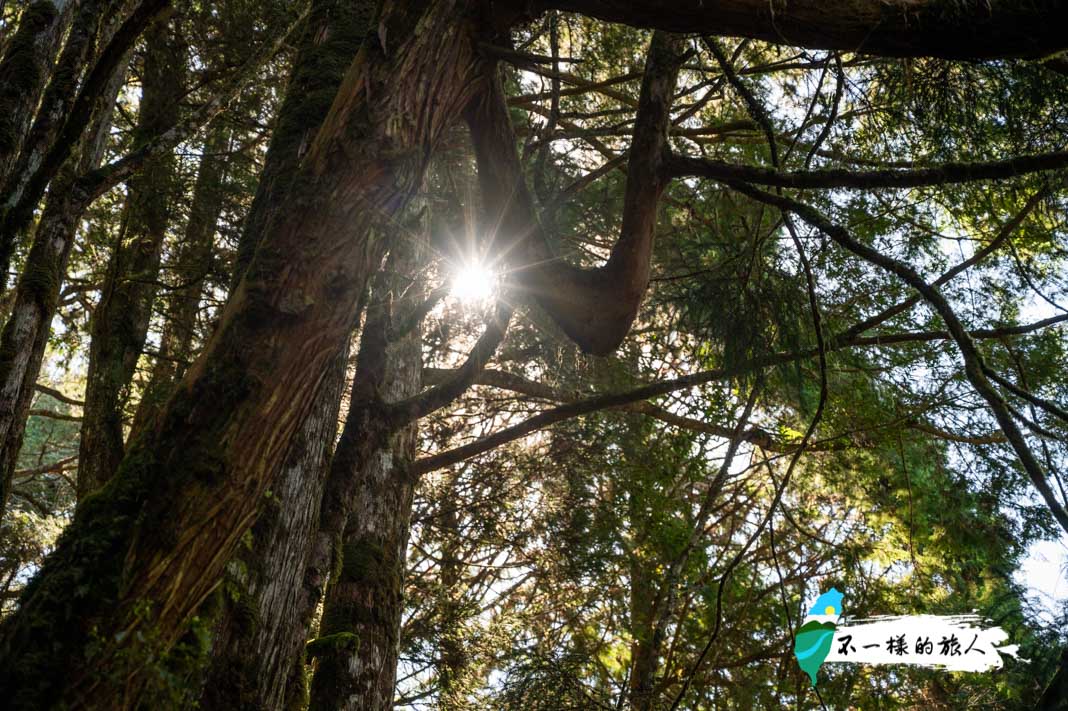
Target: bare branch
945 174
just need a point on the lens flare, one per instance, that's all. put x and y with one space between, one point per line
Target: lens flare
473 283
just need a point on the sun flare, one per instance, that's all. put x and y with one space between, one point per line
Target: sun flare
473 283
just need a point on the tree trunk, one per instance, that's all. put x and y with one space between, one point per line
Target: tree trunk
334 33
24 72
17 210
359 637
119 324
257 656
261 665
25 333
58 97
191 266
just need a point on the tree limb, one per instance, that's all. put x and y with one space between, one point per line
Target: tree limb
945 174
594 307
963 29
975 369
602 402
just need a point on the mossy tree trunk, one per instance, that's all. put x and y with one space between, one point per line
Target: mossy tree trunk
24 72
145 551
359 636
119 323
36 296
59 95
333 34
257 654
17 208
257 657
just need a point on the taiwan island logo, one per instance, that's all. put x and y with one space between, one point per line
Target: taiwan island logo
953 642
813 641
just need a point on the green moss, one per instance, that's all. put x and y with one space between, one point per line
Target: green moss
332 643
20 71
340 617
364 561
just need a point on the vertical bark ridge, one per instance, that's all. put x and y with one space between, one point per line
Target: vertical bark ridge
257 657
258 639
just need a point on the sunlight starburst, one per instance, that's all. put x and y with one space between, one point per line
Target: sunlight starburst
473 283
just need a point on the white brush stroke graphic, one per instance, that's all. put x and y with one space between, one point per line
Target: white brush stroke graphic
954 643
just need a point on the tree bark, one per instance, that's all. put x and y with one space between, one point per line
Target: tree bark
260 665
359 636
58 97
257 655
594 307
25 333
334 32
16 216
148 548
119 323
24 72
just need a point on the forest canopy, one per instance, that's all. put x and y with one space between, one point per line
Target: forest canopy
449 354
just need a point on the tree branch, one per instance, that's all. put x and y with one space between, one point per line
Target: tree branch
401 413
646 392
945 174
963 29
594 307
52 392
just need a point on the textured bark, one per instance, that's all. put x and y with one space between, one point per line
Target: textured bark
23 340
594 307
119 323
25 333
58 97
259 642
148 548
191 265
359 637
334 32
24 73
959 29
261 665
